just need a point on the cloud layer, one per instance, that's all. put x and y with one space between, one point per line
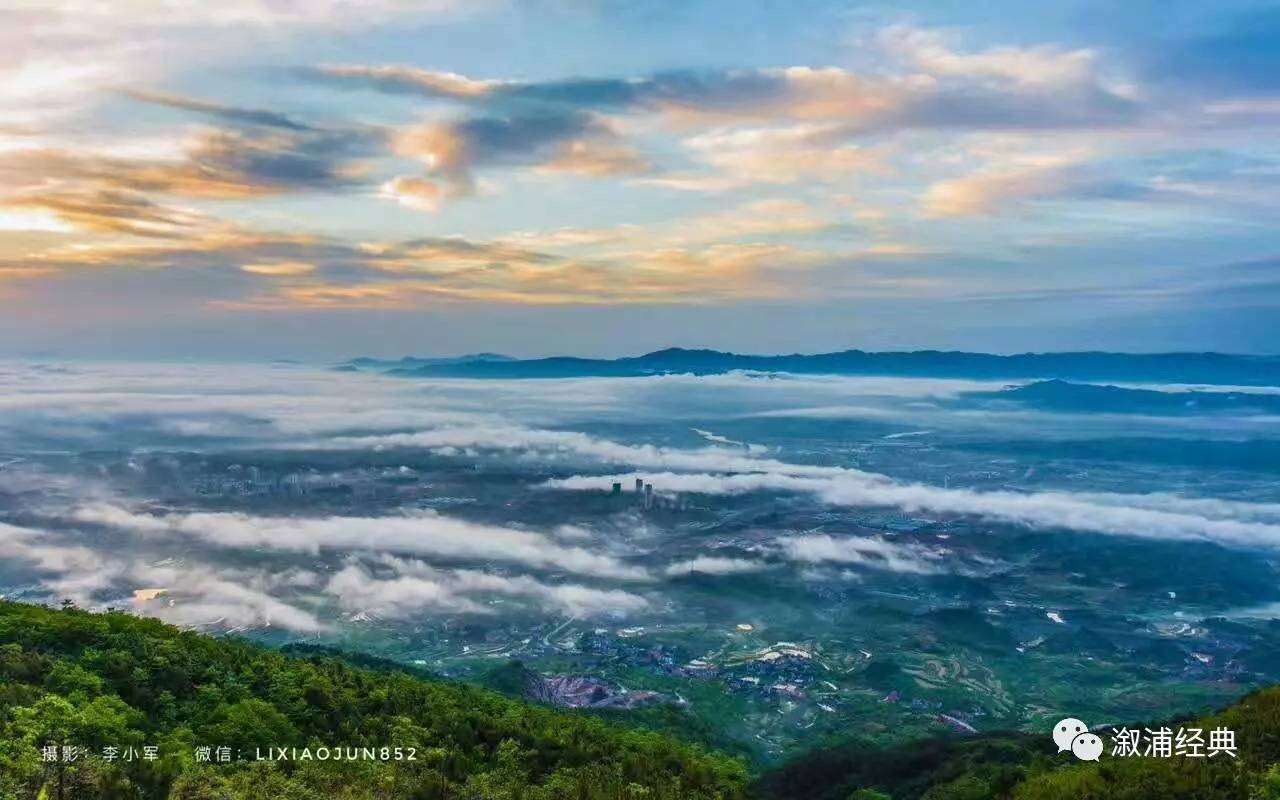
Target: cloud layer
91 535
1231 523
425 533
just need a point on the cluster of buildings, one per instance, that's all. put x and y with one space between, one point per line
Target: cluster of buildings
662 658
783 670
646 498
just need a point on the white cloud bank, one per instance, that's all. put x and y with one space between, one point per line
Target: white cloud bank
420 533
721 471
399 587
199 594
868 552
714 565
1226 522
196 594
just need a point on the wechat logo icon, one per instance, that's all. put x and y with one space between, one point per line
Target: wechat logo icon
1072 734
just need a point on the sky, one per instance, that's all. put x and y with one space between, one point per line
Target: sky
320 180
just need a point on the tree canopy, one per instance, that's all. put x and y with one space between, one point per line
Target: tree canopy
140 701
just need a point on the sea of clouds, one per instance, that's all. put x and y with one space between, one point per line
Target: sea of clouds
402 564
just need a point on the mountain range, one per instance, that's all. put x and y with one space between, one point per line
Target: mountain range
1197 368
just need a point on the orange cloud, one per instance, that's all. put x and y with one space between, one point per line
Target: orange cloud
216 164
1007 179
761 218
596 159
279 268
401 78
413 192
441 149
669 276
105 210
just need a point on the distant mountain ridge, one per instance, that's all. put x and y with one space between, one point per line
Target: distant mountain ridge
1059 395
1200 368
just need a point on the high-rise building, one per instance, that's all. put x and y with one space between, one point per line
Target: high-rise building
639 484
648 495
617 487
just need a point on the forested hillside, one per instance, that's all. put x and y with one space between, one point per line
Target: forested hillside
152 711
1027 767
155 712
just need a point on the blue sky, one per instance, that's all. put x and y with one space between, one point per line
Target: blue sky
320 180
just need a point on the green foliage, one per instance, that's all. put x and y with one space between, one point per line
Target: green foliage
98 680
1256 722
1267 785
943 768
1018 766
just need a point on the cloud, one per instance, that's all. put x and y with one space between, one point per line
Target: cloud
939 87
214 164
760 127
404 587
279 268
1043 66
203 596
107 210
1232 525
448 253
779 155
305 409
424 533
868 552
685 263
238 16
254 152
400 596
515 437
714 565
200 594
992 188
58 55
567 598
265 404
80 571
1012 180
722 471
403 79
300 406
452 151
215 246
713 273
805 122
226 113
416 193
597 159
716 438
750 221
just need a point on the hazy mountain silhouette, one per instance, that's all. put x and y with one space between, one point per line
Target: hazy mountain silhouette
1207 368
